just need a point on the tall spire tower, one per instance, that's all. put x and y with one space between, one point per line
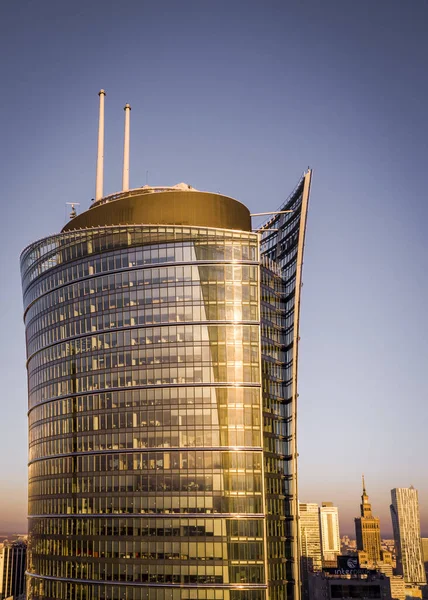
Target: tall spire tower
367 529
365 506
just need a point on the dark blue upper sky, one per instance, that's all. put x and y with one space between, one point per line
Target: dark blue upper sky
240 97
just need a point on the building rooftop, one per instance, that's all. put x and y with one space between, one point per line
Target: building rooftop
145 189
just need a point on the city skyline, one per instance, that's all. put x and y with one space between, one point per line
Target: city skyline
386 527
223 118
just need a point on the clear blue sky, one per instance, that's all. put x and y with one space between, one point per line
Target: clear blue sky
240 97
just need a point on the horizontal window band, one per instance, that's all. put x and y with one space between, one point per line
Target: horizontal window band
218 586
158 265
79 236
132 327
153 449
151 516
129 388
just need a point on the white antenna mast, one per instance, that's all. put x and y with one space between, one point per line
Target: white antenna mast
125 176
100 155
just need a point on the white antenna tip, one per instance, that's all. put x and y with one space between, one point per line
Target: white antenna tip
101 92
127 106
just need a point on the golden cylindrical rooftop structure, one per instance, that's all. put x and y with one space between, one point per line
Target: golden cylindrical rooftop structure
165 206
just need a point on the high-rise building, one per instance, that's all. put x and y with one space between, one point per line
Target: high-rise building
162 337
310 543
330 533
310 535
424 542
367 529
407 534
12 568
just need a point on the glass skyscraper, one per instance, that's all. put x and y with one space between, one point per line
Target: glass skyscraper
310 543
12 568
162 338
407 534
330 532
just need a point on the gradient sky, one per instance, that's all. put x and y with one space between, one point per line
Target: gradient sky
240 97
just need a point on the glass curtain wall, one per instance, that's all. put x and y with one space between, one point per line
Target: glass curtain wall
146 474
162 370
282 244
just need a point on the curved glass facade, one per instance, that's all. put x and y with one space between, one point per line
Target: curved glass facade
160 411
146 466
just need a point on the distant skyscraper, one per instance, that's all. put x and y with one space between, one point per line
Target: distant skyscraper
310 535
407 534
162 335
424 542
310 542
12 569
367 529
330 535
